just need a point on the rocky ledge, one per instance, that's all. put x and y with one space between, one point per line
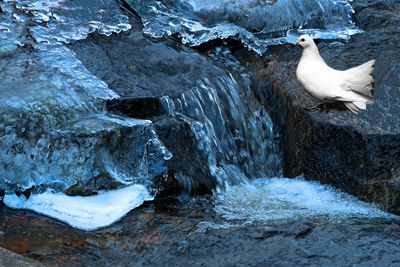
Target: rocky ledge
360 154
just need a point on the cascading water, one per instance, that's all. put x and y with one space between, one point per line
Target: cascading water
210 101
235 135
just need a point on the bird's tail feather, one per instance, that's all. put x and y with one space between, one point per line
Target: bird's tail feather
360 105
352 107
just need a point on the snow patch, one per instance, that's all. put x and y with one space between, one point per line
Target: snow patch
86 213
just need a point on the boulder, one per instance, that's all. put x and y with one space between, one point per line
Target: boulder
360 154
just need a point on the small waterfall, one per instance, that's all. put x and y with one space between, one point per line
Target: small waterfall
232 130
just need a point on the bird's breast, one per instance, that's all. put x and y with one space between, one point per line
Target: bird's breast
316 81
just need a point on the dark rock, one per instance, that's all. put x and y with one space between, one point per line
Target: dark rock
264 233
182 246
358 154
371 14
135 67
9 258
187 162
303 230
79 190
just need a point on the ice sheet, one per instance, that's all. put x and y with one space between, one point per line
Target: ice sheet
86 213
257 24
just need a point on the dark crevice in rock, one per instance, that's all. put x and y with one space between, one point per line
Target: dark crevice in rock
140 108
2 194
127 8
167 186
230 43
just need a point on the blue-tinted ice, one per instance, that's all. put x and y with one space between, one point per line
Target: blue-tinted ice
256 23
86 213
54 130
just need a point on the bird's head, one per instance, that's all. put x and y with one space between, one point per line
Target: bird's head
305 41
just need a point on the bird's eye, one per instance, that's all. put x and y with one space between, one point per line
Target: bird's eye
302 39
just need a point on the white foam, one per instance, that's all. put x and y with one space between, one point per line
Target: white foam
86 213
283 199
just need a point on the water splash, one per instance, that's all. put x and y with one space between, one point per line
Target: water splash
280 200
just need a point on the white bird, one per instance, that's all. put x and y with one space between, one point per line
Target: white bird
354 87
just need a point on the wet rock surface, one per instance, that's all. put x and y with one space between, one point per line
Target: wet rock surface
134 66
177 134
148 76
167 232
358 154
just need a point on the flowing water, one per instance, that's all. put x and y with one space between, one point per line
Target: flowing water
56 132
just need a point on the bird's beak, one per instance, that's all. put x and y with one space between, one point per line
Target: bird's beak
297 43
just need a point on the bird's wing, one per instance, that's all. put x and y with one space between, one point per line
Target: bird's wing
359 79
350 96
